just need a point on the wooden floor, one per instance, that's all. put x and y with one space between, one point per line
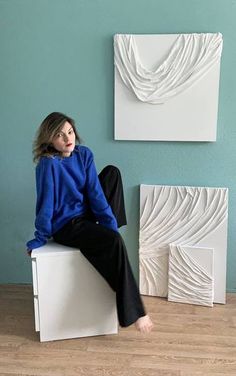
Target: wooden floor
187 340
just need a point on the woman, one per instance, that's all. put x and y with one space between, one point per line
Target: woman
72 207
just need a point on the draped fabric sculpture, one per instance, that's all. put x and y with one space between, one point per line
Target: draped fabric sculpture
179 74
183 242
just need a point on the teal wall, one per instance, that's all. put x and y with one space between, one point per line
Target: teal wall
57 55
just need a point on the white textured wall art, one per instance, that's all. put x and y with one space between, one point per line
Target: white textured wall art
166 86
186 216
190 275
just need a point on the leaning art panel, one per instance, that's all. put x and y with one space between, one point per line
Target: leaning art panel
166 86
190 275
183 217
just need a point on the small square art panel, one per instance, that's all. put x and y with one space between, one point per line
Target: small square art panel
186 216
190 275
166 86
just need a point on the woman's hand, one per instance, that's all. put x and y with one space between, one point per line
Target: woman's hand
29 252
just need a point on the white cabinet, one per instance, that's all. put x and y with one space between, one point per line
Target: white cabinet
71 299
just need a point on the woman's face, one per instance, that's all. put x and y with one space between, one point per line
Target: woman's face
64 141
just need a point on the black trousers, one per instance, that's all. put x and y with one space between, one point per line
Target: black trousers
105 248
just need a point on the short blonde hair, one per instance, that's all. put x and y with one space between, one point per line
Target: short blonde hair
50 126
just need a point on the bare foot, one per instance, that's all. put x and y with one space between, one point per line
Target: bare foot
144 324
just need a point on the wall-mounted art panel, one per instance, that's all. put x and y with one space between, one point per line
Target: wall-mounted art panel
190 275
166 86
186 216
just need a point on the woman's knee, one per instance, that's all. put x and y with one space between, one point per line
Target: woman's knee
111 170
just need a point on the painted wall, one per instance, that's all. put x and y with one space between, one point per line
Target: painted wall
57 55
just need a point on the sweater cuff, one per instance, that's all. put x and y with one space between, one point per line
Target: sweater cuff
35 243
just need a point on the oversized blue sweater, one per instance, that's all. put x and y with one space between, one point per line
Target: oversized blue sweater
66 187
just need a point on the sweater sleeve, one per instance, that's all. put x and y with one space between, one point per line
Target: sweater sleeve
44 204
97 199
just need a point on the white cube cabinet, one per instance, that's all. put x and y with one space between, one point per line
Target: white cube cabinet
71 299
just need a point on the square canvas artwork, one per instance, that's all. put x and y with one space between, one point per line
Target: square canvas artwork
166 86
181 223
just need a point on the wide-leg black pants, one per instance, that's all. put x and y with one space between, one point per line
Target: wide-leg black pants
105 248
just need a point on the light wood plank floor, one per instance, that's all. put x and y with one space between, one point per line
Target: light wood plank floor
187 340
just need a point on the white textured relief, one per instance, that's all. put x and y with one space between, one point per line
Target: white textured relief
162 86
190 278
189 59
192 216
153 276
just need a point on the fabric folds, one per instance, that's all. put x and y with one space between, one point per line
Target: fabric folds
189 59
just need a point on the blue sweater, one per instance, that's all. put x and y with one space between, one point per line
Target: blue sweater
66 187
